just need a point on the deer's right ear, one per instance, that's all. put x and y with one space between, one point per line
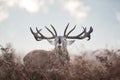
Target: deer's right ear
51 41
71 42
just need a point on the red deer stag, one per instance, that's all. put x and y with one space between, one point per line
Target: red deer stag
60 52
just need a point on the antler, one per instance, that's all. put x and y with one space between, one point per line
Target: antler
82 35
39 36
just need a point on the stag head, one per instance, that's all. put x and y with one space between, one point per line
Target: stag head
61 41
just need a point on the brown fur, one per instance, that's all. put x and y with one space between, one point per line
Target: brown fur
37 59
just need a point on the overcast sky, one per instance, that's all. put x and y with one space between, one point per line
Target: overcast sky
16 16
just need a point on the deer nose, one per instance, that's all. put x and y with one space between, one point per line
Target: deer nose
59 41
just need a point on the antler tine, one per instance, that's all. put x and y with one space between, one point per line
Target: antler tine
38 31
84 31
71 30
35 35
91 29
50 31
66 29
53 29
39 36
32 31
89 32
86 34
44 37
82 35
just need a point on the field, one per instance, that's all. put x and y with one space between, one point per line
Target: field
102 64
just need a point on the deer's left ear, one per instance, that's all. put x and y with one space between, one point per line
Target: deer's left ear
70 42
51 41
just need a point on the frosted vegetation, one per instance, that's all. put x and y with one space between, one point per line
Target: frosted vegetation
102 64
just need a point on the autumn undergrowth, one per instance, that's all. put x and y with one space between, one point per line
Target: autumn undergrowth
101 64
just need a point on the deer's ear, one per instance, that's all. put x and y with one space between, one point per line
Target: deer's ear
70 42
51 41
